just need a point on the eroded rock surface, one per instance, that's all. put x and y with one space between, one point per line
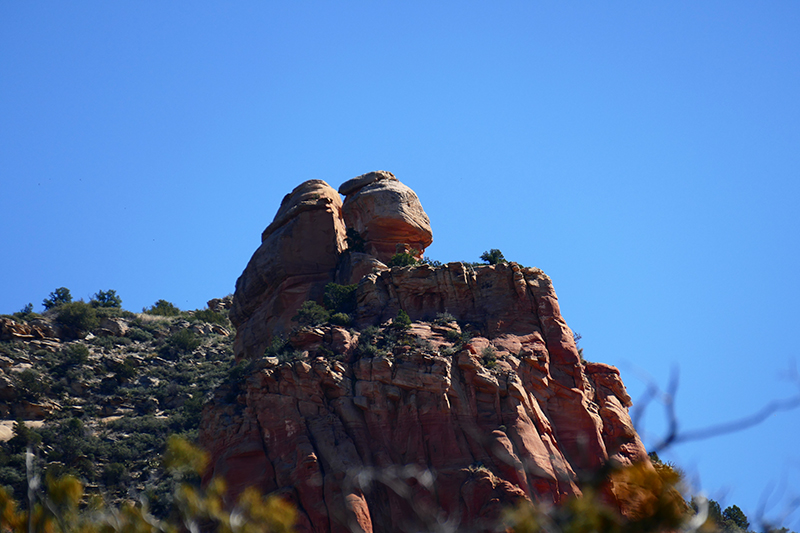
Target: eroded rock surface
298 255
507 414
481 402
387 214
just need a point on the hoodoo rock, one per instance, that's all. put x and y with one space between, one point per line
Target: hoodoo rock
298 256
481 402
386 214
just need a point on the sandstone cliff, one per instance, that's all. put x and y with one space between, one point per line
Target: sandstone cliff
482 401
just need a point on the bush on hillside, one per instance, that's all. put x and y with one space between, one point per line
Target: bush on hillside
58 297
443 318
183 341
139 335
341 319
493 257
79 317
30 385
207 315
432 262
402 321
163 308
107 298
311 314
403 259
340 298
74 355
26 313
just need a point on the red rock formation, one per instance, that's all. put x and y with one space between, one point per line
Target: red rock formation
387 214
390 429
298 255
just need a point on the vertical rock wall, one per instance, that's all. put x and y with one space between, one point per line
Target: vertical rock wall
366 435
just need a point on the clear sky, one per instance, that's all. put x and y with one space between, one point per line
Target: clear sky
645 155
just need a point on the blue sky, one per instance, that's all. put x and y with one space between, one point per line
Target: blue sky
645 156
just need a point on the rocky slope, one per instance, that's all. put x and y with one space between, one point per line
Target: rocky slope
457 391
100 403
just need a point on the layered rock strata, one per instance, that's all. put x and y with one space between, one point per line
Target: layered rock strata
302 250
509 414
482 402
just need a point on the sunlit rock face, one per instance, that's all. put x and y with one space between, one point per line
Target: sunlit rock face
482 402
387 214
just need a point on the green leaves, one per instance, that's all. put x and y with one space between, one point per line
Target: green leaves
58 297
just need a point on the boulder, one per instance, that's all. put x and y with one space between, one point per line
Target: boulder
115 327
386 214
298 256
220 304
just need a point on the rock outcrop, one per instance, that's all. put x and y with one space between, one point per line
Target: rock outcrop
301 250
387 214
298 256
483 401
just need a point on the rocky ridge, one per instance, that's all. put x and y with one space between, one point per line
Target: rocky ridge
479 401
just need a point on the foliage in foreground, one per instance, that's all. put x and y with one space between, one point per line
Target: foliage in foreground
57 505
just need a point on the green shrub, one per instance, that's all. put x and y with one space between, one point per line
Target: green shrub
311 314
26 313
493 257
355 242
207 315
80 317
58 297
74 355
340 298
733 515
239 372
163 308
403 259
367 343
489 357
140 335
341 319
110 342
30 384
452 335
23 437
443 318
114 474
402 321
154 327
432 262
183 341
107 298
126 369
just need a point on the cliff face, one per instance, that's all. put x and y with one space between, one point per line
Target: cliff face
481 402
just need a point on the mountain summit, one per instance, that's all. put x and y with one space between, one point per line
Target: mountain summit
380 397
